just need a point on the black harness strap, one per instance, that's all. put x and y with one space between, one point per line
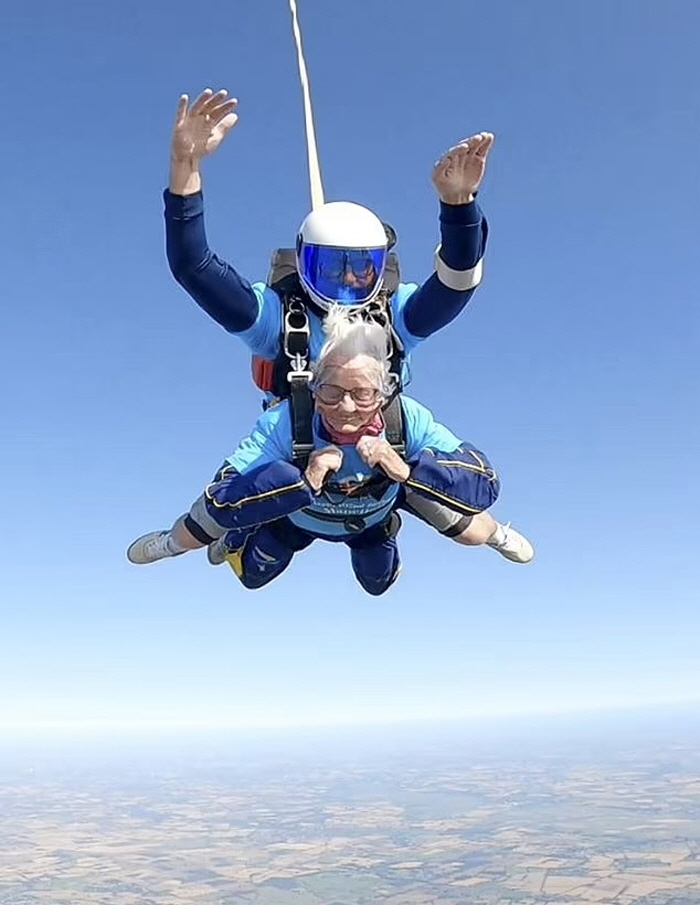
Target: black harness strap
302 406
379 312
394 425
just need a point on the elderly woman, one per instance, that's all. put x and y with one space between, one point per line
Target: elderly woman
262 508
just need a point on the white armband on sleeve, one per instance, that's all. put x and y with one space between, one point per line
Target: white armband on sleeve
459 280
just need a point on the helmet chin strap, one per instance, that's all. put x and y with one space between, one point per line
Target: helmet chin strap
315 184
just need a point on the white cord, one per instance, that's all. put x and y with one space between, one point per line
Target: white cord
315 184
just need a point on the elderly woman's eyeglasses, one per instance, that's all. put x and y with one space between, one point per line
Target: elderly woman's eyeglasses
331 394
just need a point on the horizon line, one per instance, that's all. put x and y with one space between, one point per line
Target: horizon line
227 724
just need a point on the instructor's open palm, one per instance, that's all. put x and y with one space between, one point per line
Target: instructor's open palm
458 173
201 127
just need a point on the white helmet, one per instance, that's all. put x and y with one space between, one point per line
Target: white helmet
341 254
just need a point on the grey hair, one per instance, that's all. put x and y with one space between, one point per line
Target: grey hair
348 335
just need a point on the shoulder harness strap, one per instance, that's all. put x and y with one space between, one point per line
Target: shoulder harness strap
379 311
292 373
394 425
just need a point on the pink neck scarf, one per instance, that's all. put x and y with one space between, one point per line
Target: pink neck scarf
373 429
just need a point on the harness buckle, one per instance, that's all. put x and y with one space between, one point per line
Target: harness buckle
301 451
299 369
297 332
354 524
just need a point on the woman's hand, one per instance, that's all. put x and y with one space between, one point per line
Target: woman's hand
322 462
376 452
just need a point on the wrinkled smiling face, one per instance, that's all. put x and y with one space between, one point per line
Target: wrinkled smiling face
349 396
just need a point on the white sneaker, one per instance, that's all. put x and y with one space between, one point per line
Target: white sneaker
217 552
514 546
149 548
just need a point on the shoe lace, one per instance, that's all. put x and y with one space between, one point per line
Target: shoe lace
498 544
511 538
156 544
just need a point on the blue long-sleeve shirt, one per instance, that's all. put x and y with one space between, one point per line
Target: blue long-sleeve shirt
253 312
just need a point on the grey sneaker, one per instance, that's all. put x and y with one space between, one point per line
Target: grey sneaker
217 552
515 546
149 548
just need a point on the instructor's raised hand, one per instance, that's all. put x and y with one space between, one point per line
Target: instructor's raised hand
458 173
199 129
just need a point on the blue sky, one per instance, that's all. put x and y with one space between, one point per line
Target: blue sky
575 366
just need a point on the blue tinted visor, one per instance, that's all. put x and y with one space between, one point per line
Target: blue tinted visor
346 275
